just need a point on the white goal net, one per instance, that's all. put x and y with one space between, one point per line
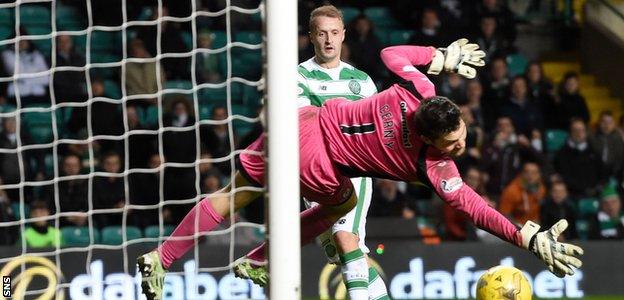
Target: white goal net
117 117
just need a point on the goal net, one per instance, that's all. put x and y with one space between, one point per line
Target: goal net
117 117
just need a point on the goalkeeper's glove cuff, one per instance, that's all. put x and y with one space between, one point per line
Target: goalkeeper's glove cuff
437 62
528 233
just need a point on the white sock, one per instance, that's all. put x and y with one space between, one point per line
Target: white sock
355 274
376 286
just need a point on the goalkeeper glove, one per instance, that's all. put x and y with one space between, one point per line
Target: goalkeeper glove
459 57
558 257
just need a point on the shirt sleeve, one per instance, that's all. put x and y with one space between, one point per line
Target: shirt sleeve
444 178
371 87
401 61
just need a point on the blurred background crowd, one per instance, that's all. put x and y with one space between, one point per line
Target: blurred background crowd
543 143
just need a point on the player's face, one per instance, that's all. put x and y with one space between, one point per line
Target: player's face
327 37
453 143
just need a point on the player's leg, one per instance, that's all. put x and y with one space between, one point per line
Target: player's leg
204 217
314 221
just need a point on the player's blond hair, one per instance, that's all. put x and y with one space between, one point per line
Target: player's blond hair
324 11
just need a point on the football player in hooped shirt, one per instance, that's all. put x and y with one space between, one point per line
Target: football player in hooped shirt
402 133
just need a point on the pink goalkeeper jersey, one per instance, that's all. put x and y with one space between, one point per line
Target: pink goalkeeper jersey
375 137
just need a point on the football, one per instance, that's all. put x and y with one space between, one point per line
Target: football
503 282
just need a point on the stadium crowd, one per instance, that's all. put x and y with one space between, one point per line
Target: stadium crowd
531 152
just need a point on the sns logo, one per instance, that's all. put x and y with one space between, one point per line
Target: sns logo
451 185
35 267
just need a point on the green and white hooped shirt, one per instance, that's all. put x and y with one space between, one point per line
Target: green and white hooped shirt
317 84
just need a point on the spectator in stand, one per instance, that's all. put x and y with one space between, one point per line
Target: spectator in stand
474 140
453 87
608 144
210 184
577 163
430 31
108 191
216 138
523 111
31 89
69 86
170 42
558 205
567 104
489 39
141 77
458 225
495 90
608 223
505 154
73 192
474 93
8 234
180 147
207 168
504 18
107 121
9 162
521 199
139 144
40 234
364 46
388 201
540 87
144 189
206 64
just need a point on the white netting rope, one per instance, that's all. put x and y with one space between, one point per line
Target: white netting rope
159 95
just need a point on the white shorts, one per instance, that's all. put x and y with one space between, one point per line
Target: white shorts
354 221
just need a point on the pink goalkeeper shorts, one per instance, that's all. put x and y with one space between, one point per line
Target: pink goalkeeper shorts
320 181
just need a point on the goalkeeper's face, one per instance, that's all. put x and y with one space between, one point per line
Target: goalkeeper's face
327 36
454 142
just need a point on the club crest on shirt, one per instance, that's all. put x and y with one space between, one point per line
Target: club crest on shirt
450 185
355 87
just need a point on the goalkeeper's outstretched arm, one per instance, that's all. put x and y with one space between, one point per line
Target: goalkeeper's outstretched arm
401 61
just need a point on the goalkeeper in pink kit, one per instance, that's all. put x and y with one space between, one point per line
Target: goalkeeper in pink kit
403 133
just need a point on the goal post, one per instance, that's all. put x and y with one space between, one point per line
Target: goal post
283 150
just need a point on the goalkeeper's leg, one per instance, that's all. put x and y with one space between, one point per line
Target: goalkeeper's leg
207 214
314 221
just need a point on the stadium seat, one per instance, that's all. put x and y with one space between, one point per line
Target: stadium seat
179 84
78 236
383 36
219 39
248 37
113 235
104 57
41 134
151 116
400 37
517 63
67 18
588 206
582 229
251 96
381 17
555 139
187 38
5 31
17 214
349 13
213 95
4 108
34 15
7 17
112 89
154 231
106 42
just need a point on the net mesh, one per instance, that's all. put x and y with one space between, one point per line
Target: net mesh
34 160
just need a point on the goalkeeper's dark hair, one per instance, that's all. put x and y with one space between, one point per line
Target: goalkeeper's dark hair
437 116
324 11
